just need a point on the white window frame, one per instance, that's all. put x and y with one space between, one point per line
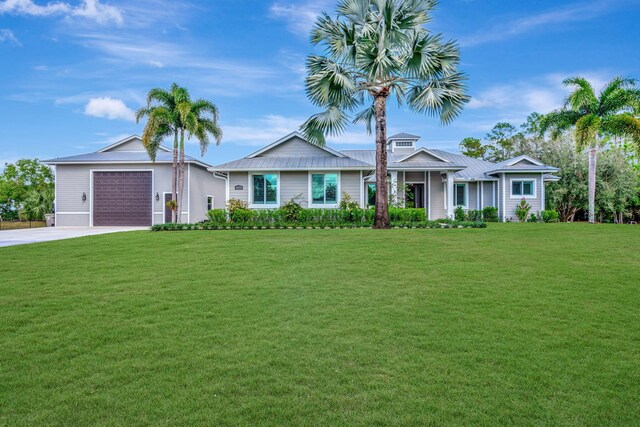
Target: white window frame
310 192
466 195
213 204
250 194
520 196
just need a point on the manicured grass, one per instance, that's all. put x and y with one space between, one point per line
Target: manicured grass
15 225
517 324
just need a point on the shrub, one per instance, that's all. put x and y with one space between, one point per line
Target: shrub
217 215
534 218
291 210
490 214
549 216
459 214
347 203
522 210
474 215
241 215
234 204
406 215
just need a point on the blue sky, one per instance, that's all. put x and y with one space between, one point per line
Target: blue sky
73 71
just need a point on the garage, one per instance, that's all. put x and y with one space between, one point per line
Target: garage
122 198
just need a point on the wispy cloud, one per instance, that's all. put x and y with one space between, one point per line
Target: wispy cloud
300 16
109 108
8 36
576 12
89 9
264 130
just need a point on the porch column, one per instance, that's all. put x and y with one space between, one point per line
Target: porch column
394 186
450 195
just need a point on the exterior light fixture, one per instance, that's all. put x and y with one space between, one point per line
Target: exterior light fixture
84 197
157 197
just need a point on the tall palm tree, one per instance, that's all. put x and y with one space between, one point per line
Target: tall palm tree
199 119
374 49
595 118
172 113
163 122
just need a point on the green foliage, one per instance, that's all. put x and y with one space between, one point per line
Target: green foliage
292 209
549 215
39 201
347 203
217 215
490 214
472 147
475 215
522 210
407 214
20 181
235 204
241 215
459 214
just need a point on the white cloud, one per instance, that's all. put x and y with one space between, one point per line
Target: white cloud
540 94
270 128
584 11
89 9
109 108
8 36
300 16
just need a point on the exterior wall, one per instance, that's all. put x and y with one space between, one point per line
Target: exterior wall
472 194
512 203
133 145
295 147
404 150
293 184
73 180
239 178
350 184
204 184
487 194
436 193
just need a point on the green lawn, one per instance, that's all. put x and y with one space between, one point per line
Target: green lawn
521 324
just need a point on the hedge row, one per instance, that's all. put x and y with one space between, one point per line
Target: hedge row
300 226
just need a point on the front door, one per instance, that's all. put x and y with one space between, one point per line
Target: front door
415 196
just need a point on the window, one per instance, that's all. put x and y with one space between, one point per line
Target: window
371 194
209 203
265 189
522 188
324 188
460 193
404 143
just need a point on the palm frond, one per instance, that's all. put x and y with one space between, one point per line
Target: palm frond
587 128
333 121
623 125
328 83
444 97
583 97
366 117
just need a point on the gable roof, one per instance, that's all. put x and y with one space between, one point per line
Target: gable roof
287 138
124 141
521 164
403 135
424 151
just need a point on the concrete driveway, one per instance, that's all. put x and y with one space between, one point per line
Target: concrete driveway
35 235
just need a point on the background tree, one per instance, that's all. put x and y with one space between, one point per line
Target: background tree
38 202
18 180
504 141
373 50
172 113
473 147
596 117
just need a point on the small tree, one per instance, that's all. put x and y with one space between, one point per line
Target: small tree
522 210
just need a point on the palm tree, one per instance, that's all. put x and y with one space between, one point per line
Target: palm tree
163 121
172 113
595 118
375 49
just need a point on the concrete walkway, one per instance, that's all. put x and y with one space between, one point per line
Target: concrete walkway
35 235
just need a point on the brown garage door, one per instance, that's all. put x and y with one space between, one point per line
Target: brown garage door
122 198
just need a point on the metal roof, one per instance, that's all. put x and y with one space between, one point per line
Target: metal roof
121 157
293 163
403 135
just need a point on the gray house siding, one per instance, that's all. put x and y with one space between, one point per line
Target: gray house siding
438 209
133 145
74 180
240 179
512 202
295 147
293 184
204 184
487 194
350 184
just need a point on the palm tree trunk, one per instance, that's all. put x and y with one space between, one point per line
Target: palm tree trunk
174 174
180 177
382 198
592 184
